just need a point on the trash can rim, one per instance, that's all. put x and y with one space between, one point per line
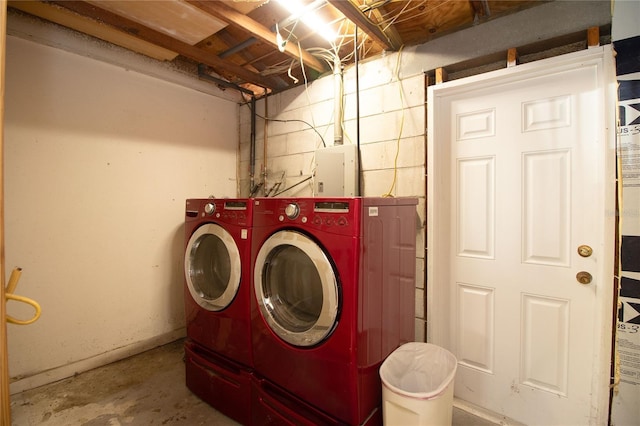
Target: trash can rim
420 396
441 389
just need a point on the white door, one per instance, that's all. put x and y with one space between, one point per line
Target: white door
521 174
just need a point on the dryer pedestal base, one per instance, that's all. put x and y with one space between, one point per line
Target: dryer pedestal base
273 406
221 383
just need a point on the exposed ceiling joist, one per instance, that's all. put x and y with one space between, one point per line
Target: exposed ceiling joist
390 30
353 13
233 17
165 41
237 40
93 28
177 19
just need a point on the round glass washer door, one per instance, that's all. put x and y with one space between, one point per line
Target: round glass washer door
296 288
212 267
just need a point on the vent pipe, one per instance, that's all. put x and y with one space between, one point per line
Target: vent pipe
337 101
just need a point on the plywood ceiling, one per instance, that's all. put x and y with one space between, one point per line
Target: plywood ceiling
237 41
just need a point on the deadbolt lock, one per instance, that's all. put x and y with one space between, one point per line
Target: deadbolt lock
584 277
585 251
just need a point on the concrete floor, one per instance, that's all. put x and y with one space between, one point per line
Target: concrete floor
147 389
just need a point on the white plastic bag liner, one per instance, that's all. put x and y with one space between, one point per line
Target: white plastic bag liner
419 370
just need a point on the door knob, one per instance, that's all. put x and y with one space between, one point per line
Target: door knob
584 277
585 251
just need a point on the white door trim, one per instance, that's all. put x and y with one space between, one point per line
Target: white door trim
438 217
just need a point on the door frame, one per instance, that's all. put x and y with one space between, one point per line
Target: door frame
438 205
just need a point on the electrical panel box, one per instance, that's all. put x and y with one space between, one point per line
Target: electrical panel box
336 171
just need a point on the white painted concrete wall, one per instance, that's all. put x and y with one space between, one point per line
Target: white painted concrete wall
98 162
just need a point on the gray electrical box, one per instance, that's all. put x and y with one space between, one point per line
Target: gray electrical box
336 171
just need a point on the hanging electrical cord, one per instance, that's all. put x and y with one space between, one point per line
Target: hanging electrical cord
279 68
395 160
291 121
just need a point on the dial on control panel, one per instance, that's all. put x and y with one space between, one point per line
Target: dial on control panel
209 208
292 210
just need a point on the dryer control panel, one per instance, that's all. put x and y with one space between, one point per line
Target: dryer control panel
231 211
338 215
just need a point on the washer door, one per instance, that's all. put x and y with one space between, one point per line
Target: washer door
212 267
296 288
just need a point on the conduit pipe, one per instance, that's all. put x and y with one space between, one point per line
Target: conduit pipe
203 75
355 58
252 148
265 139
337 101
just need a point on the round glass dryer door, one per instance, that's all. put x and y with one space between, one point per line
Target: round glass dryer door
212 267
296 288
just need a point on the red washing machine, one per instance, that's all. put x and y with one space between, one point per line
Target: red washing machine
217 267
334 295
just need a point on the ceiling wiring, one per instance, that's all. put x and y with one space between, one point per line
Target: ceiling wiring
399 14
332 56
407 14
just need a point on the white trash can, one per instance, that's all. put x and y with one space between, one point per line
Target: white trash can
417 385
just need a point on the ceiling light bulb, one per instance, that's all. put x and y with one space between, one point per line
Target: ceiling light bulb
297 10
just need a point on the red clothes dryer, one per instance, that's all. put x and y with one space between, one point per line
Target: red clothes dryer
334 295
217 293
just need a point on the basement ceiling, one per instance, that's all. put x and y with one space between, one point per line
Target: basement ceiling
260 46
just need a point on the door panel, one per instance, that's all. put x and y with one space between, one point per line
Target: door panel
476 327
476 201
546 188
520 171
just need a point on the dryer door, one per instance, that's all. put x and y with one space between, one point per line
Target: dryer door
212 267
296 288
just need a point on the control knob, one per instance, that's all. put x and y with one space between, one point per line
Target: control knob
209 208
292 210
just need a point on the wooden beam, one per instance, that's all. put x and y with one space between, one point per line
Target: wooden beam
70 19
593 37
441 75
5 398
351 12
512 57
165 41
233 17
390 31
480 8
